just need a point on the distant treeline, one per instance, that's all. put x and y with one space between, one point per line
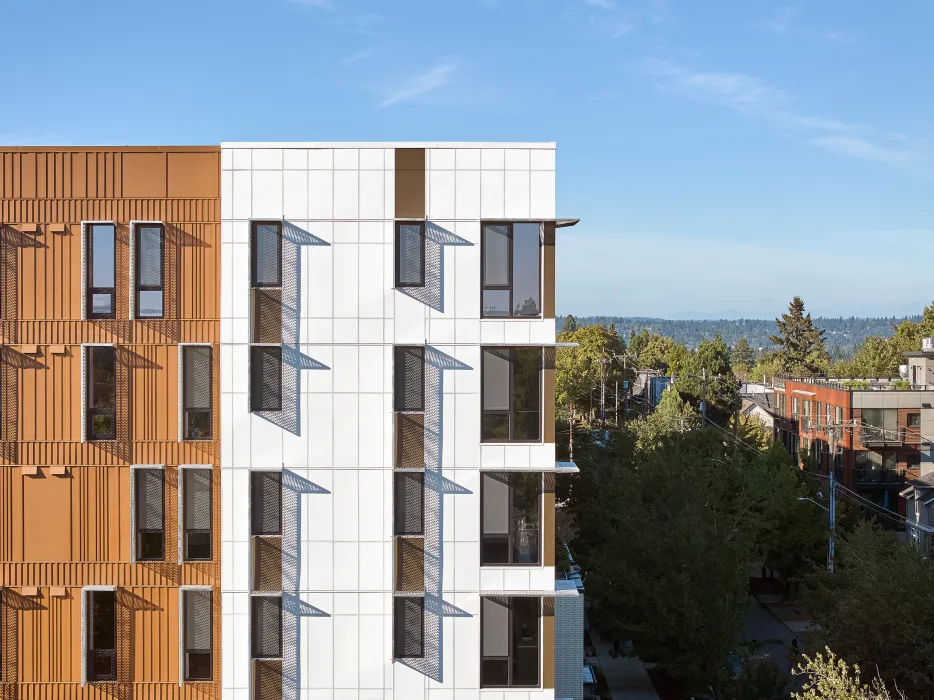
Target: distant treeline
841 333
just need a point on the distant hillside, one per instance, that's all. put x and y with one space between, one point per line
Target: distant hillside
845 333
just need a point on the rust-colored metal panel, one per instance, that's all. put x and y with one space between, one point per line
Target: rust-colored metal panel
410 183
410 564
410 440
267 564
548 642
267 679
548 395
548 269
548 528
74 529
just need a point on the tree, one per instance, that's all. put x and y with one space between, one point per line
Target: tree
742 356
801 345
767 366
833 679
569 325
578 369
877 609
672 415
722 388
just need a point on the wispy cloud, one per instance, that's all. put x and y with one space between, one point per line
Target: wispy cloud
756 98
840 36
421 84
784 20
358 56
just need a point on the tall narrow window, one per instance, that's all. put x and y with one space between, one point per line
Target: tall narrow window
511 519
101 256
266 627
511 270
408 627
149 273
510 642
409 499
266 503
101 410
265 378
150 514
266 254
101 636
409 388
198 630
197 516
410 254
197 391
511 394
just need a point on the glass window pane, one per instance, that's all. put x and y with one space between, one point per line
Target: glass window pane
495 504
495 623
525 518
410 263
525 640
149 256
527 393
496 302
495 254
266 254
526 270
496 371
150 304
495 426
102 304
102 387
102 255
103 620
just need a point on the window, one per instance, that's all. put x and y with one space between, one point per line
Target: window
839 414
820 413
101 256
914 420
410 254
879 425
511 270
101 636
807 409
197 391
196 485
510 651
198 631
266 503
794 407
266 254
913 462
408 627
409 386
266 627
510 521
149 273
101 380
830 412
150 514
409 496
511 394
265 378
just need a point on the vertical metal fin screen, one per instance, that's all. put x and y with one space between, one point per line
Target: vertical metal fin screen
197 620
149 498
266 502
410 503
410 378
198 499
266 378
409 627
267 627
197 378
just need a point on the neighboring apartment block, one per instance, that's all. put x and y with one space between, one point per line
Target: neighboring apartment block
387 422
109 467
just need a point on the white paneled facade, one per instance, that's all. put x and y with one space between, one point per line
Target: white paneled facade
333 438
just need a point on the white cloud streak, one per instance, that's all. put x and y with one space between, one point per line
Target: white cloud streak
784 20
421 84
754 97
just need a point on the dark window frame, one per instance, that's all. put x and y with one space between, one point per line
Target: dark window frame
90 649
138 483
137 263
254 256
510 656
89 280
186 473
210 651
511 412
256 475
253 599
210 407
512 531
259 349
397 247
90 411
398 645
510 286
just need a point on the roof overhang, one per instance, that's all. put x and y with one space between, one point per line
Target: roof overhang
805 393
528 345
566 468
541 593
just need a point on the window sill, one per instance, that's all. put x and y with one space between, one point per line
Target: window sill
511 318
500 443
512 566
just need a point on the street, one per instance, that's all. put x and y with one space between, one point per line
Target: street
761 624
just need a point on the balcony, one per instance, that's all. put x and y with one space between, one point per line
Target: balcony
873 436
881 477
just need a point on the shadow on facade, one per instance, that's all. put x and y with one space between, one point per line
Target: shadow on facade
293 361
293 607
436 487
436 238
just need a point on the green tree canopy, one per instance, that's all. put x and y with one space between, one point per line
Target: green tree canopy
831 678
801 345
742 355
569 325
712 358
577 373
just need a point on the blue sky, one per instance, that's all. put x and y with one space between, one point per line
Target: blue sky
722 156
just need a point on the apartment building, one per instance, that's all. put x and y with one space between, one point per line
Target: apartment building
109 460
880 431
387 422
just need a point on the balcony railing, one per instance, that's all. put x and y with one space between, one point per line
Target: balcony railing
872 435
879 477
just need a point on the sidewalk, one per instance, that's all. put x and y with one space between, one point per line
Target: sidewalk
626 676
787 614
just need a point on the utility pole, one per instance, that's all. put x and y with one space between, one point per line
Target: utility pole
832 510
703 403
602 391
571 432
616 398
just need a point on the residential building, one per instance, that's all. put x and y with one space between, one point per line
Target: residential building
109 461
759 405
881 431
388 440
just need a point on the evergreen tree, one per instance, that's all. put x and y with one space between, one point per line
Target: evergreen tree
801 344
570 324
742 355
